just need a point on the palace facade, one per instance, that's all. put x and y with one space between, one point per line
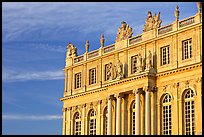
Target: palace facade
140 85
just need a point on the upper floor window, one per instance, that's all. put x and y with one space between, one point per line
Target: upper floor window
77 78
189 113
165 55
133 64
92 76
77 124
187 49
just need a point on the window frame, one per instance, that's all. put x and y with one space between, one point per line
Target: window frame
92 76
77 80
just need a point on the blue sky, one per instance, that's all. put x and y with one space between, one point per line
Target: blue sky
35 36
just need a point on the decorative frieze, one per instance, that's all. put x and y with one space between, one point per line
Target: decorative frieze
79 59
109 48
186 22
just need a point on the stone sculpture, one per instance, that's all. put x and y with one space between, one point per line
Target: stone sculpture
139 63
124 32
71 50
149 61
176 13
87 46
102 40
152 22
119 70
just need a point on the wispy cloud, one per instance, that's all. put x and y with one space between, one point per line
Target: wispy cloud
14 76
31 117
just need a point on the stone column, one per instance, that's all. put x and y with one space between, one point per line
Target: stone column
68 121
118 114
147 112
109 128
83 119
137 112
64 121
98 126
65 80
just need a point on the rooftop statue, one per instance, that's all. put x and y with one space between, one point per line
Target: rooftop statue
71 50
124 32
152 22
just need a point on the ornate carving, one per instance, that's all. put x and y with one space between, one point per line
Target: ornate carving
87 46
176 85
187 84
64 109
102 40
149 61
139 63
124 32
109 71
199 79
199 6
165 88
176 13
114 71
71 50
119 70
152 22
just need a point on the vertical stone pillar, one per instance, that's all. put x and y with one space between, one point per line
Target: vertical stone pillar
109 115
137 112
83 119
68 121
98 126
64 121
118 114
65 80
143 115
147 113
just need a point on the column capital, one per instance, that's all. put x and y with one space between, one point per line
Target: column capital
117 95
149 88
64 109
83 105
137 91
110 97
69 108
99 102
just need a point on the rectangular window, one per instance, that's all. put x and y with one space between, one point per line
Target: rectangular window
187 49
92 76
133 64
165 56
77 78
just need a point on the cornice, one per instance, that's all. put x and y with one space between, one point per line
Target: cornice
110 84
177 70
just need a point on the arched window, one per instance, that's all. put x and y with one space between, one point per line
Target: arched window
105 121
77 124
92 122
189 112
166 115
133 118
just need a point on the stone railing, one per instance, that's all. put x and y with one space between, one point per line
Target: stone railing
93 54
186 22
165 29
135 39
109 48
79 58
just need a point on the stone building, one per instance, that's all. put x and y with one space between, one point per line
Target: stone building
144 84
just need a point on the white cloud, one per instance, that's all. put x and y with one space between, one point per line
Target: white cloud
14 76
31 117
